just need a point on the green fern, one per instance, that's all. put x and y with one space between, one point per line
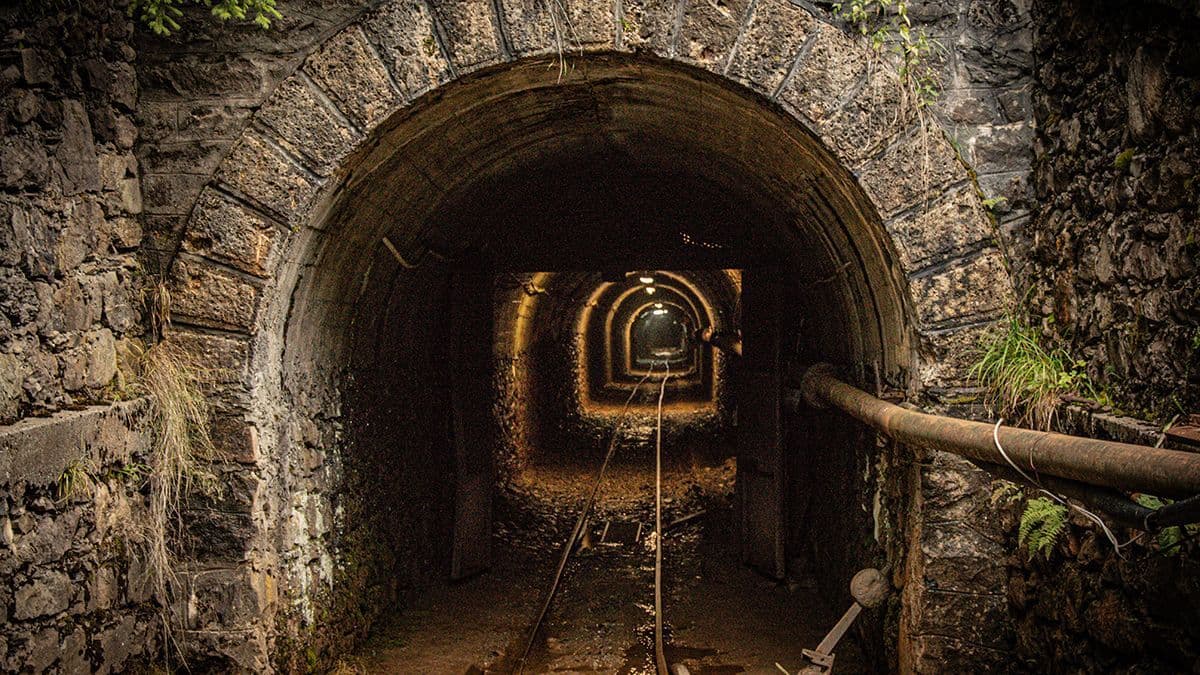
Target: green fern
1041 524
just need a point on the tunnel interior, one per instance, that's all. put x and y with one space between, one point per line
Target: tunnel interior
507 262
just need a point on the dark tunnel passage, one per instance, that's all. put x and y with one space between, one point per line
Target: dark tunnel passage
495 277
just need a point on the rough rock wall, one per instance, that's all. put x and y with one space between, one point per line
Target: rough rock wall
1083 608
1112 262
69 202
77 594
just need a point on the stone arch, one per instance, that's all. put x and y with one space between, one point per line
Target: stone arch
911 249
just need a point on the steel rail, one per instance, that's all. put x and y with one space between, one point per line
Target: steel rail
580 523
1122 466
660 657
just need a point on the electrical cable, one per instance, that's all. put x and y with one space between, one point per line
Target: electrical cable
660 657
579 523
1112 538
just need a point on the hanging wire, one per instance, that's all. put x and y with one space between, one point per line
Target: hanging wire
1059 498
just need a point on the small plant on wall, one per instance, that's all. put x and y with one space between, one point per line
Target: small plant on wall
161 16
1042 523
1025 381
888 24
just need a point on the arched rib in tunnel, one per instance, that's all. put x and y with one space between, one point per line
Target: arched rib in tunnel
404 346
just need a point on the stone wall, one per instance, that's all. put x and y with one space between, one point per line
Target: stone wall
985 67
70 198
1111 265
77 592
199 89
1082 607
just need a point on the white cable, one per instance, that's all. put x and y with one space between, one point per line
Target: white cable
1058 498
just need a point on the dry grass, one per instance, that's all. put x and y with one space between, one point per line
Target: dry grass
177 466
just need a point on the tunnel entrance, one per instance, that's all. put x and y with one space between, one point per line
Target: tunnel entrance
442 347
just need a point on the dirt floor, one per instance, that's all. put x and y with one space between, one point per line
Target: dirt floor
720 616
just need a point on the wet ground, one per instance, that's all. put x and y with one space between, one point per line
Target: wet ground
720 616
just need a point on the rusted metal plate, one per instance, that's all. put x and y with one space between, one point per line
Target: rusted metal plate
1186 431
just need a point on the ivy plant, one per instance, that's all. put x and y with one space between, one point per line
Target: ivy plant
161 16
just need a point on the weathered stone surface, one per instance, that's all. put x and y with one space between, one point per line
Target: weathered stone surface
79 238
832 67
210 76
77 151
194 156
170 194
227 598
709 31
947 356
209 296
554 27
225 356
872 116
208 121
953 225
768 46
263 173
306 127
909 172
347 69
972 289
228 233
404 35
647 26
43 596
472 38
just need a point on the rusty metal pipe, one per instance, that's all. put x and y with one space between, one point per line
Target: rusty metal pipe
1122 466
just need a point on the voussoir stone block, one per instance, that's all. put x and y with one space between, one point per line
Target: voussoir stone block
535 27
403 33
970 289
769 46
708 32
355 80
209 296
947 356
648 26
224 357
263 173
951 226
306 127
910 172
472 37
229 233
871 117
832 67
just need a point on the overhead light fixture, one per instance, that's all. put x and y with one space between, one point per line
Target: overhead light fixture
646 279
660 311
650 290
658 305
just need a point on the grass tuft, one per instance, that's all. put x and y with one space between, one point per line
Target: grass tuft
1025 381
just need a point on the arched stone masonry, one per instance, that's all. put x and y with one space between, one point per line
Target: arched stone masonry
256 225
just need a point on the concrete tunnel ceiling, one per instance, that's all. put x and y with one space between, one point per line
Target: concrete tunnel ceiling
635 164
